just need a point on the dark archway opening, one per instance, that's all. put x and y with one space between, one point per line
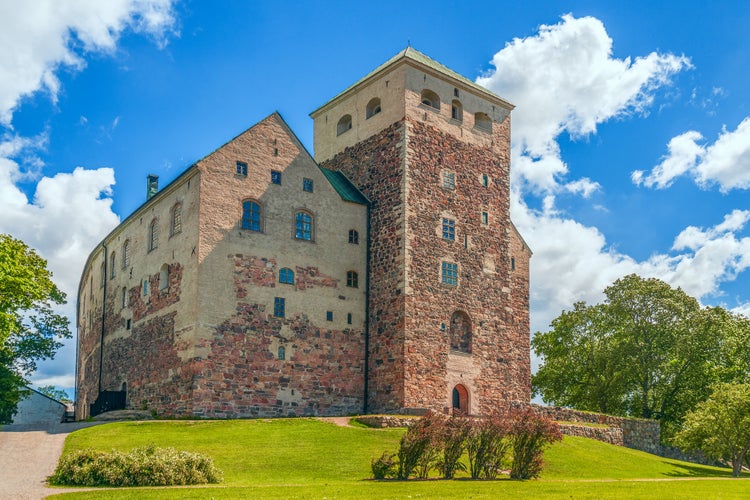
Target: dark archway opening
460 400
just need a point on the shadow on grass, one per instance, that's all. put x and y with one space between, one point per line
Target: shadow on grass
687 470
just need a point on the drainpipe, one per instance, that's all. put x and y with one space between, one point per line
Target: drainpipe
104 314
367 315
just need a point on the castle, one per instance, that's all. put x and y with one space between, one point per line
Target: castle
382 275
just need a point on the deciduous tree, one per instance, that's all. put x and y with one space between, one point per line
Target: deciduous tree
29 329
720 426
648 351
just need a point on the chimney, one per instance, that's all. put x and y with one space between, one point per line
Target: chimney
152 186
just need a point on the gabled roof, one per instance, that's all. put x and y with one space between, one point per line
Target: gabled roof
344 187
419 59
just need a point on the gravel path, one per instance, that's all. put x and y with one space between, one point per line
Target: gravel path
28 454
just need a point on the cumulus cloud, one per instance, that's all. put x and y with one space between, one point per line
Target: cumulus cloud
725 163
565 79
39 37
69 212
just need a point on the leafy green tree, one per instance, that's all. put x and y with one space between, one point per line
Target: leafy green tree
720 426
55 393
648 351
29 329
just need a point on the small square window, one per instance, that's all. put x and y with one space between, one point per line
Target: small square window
242 168
449 229
329 315
279 304
348 318
449 180
307 185
275 177
449 273
485 218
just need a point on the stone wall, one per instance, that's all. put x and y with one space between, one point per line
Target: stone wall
375 166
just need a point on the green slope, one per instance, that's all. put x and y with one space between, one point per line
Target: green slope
307 458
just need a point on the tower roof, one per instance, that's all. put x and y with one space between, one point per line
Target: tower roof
416 58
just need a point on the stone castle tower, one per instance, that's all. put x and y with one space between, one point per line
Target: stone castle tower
448 291
381 275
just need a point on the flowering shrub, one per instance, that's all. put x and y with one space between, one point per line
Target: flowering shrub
147 466
530 434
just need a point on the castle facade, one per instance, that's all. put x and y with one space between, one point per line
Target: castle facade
382 275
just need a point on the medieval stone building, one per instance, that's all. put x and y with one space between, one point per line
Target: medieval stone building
384 275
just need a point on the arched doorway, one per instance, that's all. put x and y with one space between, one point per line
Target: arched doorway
460 399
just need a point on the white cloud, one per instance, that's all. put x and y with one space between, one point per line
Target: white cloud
70 212
725 163
684 153
565 79
39 37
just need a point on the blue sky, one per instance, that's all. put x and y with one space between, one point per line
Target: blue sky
631 135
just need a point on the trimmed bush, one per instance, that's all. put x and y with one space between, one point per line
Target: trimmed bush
147 466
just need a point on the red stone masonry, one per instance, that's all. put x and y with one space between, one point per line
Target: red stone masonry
375 166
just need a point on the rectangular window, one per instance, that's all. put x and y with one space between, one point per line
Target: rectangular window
449 180
485 180
485 218
348 318
242 168
127 325
329 315
449 229
512 264
145 287
275 177
449 274
278 307
307 185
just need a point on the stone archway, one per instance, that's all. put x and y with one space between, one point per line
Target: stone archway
460 400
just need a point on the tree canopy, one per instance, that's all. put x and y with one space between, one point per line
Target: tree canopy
720 426
29 328
649 351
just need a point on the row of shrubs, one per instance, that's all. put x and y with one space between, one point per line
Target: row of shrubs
149 466
492 444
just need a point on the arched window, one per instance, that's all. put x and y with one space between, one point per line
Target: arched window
112 266
164 277
430 98
282 352
286 275
251 215
344 124
373 107
176 220
126 254
460 332
303 226
153 235
482 121
457 110
353 237
352 279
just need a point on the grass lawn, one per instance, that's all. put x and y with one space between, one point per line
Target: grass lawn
306 458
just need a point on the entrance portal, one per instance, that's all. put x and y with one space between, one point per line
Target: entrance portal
460 400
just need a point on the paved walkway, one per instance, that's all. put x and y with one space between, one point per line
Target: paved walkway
28 454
